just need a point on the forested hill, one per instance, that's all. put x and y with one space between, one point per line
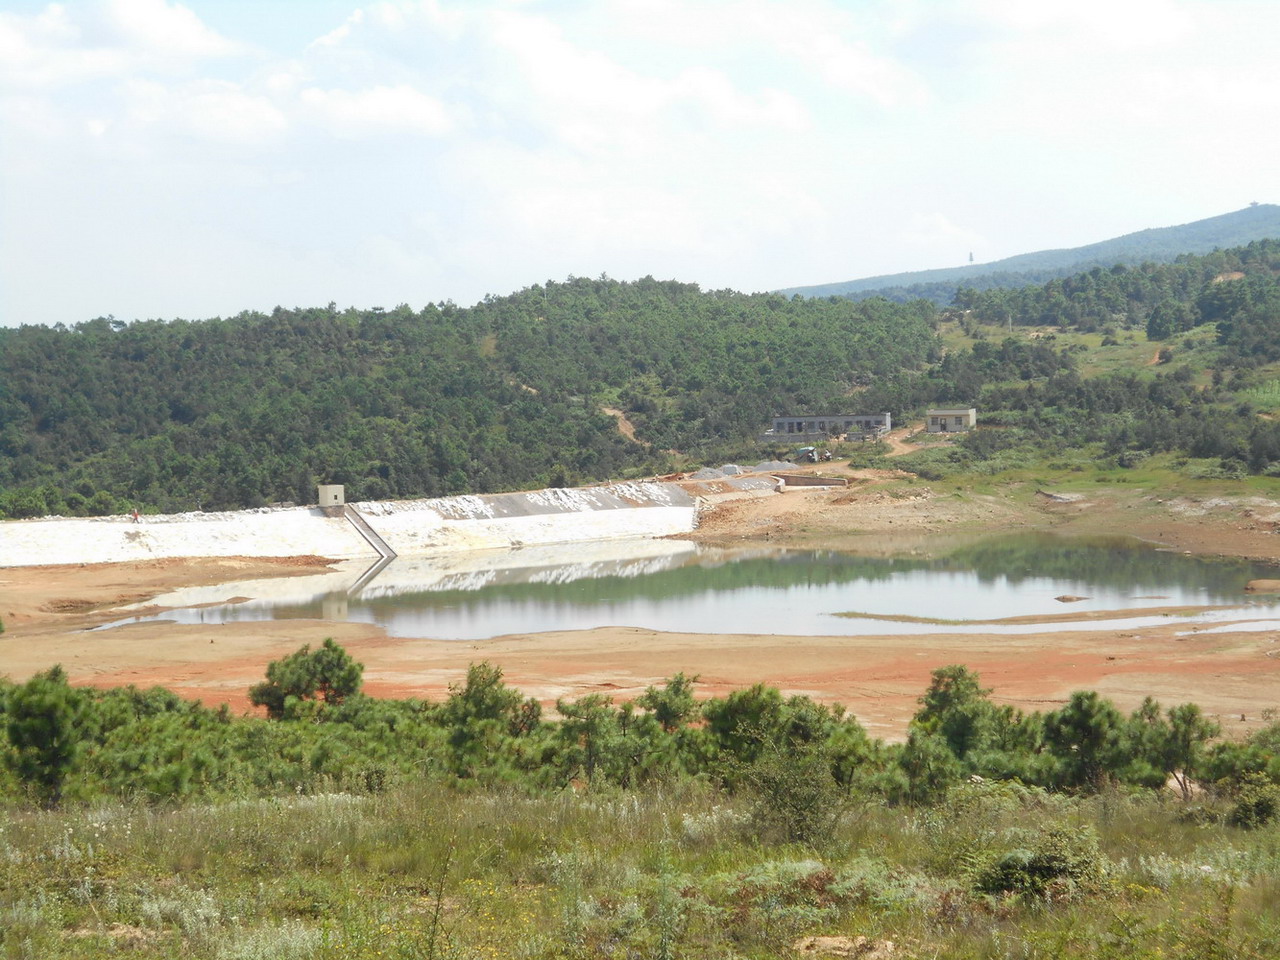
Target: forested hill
508 394
1238 289
1157 245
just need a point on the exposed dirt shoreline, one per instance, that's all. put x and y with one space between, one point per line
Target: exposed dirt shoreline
1234 675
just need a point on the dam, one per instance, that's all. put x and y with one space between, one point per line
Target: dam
445 525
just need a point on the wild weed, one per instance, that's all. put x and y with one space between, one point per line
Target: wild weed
287 940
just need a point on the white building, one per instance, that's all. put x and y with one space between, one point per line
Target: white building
950 420
331 494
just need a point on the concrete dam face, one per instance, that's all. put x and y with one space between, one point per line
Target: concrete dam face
406 527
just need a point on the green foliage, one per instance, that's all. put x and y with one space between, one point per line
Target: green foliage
328 676
795 796
1059 863
588 734
510 393
801 761
1034 392
481 716
1086 740
506 394
353 837
1224 286
1174 745
930 767
956 708
1257 802
674 705
42 721
428 870
1083 747
741 724
984 740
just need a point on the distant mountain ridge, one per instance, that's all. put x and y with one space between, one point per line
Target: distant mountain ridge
1158 245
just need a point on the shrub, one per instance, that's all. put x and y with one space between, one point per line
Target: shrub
328 675
1257 803
1058 864
43 727
795 798
929 766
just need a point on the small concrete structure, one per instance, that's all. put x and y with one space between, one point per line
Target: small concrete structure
332 495
863 426
790 480
950 420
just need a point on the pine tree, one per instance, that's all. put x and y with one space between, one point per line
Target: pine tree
42 721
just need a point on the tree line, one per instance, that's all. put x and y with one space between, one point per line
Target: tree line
321 731
1238 289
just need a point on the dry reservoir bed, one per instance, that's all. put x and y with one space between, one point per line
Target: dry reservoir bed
1232 674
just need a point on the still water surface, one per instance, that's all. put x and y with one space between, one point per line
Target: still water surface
678 586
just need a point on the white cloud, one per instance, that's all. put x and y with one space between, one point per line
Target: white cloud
1130 25
836 45
820 41
584 98
167 31
210 110
32 115
403 14
400 17
285 79
743 143
47 51
223 111
352 114
339 35
723 103
432 15
61 47
938 234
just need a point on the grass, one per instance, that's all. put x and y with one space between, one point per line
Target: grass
1088 471
432 871
1265 396
1099 354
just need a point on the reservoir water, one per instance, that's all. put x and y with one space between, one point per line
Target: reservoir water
679 586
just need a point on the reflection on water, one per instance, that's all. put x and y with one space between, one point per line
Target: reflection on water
679 586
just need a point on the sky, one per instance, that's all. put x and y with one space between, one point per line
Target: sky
162 159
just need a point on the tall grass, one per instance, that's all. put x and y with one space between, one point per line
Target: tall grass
430 871
1265 396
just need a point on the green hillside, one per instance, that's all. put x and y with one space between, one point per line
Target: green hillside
1156 245
508 394
523 391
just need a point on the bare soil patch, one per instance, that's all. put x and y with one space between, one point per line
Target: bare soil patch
625 426
906 440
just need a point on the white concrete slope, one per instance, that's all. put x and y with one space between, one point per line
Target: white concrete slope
414 527
611 512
